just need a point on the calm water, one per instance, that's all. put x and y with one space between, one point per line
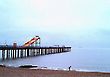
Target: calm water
79 59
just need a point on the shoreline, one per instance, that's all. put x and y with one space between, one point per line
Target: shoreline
26 72
30 66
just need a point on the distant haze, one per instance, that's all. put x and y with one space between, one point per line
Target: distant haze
77 23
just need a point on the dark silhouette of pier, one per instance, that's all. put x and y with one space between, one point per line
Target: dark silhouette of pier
22 52
29 49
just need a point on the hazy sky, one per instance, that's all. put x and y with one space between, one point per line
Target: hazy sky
80 23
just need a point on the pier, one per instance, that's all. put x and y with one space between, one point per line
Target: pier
29 49
23 52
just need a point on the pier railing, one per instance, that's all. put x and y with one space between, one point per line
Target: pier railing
9 52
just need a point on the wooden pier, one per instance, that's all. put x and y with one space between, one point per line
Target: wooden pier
23 52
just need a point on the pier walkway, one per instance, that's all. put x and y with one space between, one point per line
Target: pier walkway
10 52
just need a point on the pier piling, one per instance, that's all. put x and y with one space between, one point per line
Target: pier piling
20 52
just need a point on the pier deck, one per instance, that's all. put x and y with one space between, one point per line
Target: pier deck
10 52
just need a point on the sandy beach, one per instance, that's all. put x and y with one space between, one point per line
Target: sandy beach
25 72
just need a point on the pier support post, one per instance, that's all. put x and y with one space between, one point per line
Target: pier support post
39 52
13 54
21 55
18 54
3 54
33 52
46 51
27 52
8 54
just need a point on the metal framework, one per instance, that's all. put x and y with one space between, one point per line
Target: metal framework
33 42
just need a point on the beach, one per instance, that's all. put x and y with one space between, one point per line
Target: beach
26 72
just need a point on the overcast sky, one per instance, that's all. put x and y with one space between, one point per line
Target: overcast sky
80 23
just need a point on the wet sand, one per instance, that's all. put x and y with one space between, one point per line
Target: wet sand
25 72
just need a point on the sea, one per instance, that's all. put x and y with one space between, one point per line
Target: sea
80 59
